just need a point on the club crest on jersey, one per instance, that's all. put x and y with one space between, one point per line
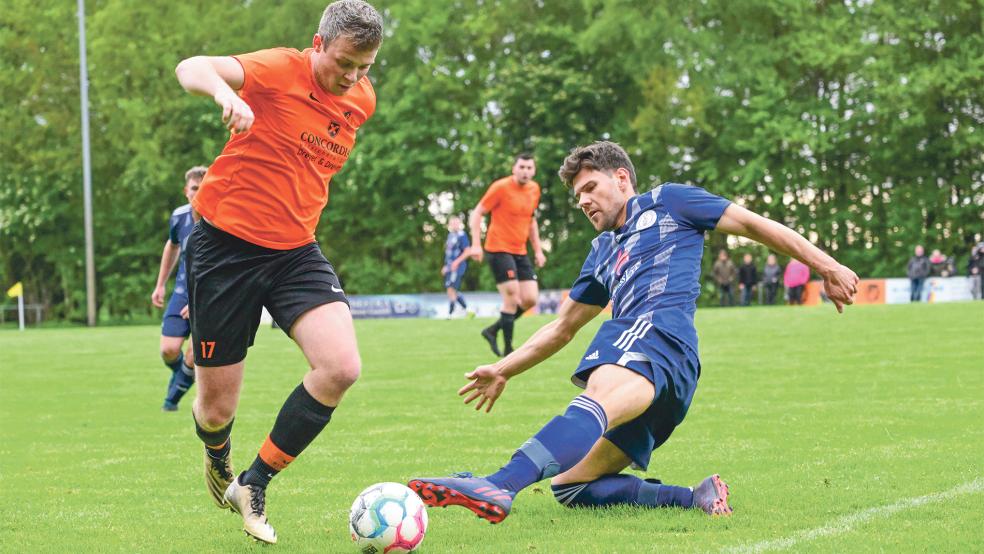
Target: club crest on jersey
333 129
646 220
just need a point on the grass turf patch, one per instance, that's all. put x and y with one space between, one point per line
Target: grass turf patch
810 416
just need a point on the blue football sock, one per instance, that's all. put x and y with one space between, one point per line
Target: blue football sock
557 447
175 364
450 308
620 488
182 381
461 300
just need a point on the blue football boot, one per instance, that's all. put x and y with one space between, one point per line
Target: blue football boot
711 495
479 495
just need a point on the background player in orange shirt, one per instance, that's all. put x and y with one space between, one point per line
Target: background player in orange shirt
512 201
294 120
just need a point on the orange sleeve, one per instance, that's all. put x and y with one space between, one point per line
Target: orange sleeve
265 69
491 198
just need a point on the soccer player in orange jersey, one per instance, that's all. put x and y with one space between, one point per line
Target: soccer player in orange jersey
294 117
512 202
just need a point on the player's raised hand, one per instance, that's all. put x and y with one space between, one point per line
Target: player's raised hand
486 385
841 285
157 297
237 116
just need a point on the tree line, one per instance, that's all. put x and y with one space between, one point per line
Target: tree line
858 123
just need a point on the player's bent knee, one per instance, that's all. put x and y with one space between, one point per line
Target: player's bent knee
347 376
343 373
212 418
169 354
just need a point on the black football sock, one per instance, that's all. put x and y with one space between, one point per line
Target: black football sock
300 420
507 329
217 443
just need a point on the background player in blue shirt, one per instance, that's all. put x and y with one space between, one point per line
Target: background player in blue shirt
175 328
641 369
455 262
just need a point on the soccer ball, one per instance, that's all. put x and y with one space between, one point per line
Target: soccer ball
388 517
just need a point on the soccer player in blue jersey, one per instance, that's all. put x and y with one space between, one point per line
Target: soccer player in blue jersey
175 328
456 254
641 369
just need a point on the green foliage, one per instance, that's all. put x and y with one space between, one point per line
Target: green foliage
858 123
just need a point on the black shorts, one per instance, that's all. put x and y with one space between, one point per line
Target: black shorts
230 280
510 267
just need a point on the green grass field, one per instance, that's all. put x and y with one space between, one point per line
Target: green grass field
858 432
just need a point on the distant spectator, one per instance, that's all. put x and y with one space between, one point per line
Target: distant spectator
770 278
747 279
975 269
796 276
940 265
917 271
724 272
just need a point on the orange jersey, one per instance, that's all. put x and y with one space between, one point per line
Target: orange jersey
512 207
270 184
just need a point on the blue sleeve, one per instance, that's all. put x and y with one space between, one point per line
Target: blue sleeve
465 241
587 289
174 225
693 206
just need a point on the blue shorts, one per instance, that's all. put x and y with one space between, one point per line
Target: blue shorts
174 325
452 279
671 366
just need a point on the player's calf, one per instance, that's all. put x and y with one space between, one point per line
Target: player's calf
301 419
218 460
181 381
623 489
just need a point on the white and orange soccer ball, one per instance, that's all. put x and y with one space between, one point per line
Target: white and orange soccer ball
388 517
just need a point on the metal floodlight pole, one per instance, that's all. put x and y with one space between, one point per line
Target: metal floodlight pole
90 268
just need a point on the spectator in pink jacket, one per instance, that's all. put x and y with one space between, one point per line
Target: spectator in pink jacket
796 276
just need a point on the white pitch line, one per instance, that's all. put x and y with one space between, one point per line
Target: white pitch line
848 522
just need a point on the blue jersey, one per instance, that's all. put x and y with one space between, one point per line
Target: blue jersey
650 267
181 225
456 244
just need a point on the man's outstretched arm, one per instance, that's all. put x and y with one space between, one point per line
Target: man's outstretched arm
488 381
839 281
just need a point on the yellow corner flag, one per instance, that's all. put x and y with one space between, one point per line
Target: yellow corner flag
16 290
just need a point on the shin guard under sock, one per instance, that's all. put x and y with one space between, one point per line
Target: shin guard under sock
506 323
621 488
300 420
557 447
